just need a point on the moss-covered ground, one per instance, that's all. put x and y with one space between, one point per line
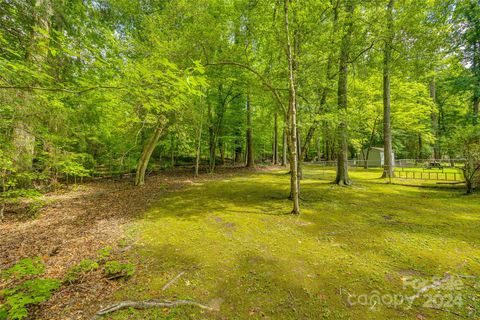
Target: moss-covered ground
242 251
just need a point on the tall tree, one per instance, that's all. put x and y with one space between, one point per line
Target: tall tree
342 177
387 60
292 117
250 163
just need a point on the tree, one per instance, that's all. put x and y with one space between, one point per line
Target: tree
250 163
342 177
292 117
466 144
387 60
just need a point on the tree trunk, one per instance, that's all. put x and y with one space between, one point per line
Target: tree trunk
326 89
250 152
238 151
370 143
434 118
22 135
211 140
275 140
342 177
299 162
476 103
284 146
420 146
292 120
147 153
221 146
172 149
365 158
387 131
24 146
318 145
199 145
476 72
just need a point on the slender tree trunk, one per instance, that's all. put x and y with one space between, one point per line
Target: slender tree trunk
318 147
238 150
275 140
476 72
420 146
370 143
292 120
221 146
342 177
172 149
4 189
284 146
199 146
147 151
326 89
23 138
299 162
387 131
211 140
250 152
434 118
476 103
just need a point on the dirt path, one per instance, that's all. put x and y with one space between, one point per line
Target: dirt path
74 225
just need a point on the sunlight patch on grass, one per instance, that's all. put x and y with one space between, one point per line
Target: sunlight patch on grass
236 242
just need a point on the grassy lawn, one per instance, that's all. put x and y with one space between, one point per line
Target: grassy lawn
240 250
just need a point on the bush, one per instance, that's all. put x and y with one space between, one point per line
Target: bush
26 290
466 144
79 270
104 253
24 268
115 269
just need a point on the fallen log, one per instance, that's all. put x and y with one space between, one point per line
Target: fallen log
147 304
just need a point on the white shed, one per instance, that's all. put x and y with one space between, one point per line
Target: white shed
375 157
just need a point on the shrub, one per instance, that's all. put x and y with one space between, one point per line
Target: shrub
104 253
80 269
115 269
466 144
24 268
26 290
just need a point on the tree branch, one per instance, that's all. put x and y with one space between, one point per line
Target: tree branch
59 89
147 304
362 52
255 72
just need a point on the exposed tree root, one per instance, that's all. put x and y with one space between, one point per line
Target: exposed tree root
147 304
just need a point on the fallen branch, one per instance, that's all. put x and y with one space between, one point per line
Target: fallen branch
434 285
147 304
168 284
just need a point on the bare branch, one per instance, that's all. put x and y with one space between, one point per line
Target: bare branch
147 304
255 72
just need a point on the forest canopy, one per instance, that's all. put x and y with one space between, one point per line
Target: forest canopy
91 86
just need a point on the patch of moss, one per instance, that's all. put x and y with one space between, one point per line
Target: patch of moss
237 243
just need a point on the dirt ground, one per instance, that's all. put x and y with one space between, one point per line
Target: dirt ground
76 223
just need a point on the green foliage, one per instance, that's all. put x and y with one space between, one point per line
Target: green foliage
85 266
28 293
25 268
115 269
26 289
88 90
104 253
465 143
